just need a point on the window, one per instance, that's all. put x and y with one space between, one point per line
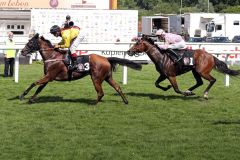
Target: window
22 26
235 23
18 26
8 26
218 27
210 27
18 32
12 26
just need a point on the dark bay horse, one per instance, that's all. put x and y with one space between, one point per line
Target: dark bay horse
203 65
55 68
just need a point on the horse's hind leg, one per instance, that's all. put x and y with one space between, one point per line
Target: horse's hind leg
40 88
117 88
211 80
199 81
98 87
159 80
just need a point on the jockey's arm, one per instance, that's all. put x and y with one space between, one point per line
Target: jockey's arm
65 43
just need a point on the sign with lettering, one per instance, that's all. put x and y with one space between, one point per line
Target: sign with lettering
96 25
28 4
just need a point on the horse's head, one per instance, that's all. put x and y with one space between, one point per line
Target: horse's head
31 46
140 46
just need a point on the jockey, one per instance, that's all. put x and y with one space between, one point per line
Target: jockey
172 41
71 38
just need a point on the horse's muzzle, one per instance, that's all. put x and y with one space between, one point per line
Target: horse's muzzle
130 53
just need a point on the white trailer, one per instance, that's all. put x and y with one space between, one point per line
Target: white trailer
227 25
169 23
195 24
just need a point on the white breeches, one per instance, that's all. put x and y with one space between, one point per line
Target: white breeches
178 45
76 42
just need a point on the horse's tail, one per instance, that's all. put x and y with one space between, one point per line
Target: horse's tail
125 62
223 68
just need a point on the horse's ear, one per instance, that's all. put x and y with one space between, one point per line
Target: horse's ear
42 38
36 35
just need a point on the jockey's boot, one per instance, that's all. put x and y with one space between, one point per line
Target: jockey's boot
73 64
176 57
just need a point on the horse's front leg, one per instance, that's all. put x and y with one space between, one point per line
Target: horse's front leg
42 81
40 88
26 91
175 86
159 80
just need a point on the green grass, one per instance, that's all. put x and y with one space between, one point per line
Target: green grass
65 125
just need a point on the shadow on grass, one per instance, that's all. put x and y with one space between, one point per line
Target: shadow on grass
47 99
164 97
226 122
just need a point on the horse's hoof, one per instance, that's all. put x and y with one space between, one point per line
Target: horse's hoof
126 101
169 86
30 101
188 93
205 97
21 97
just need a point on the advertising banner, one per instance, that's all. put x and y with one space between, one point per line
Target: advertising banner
68 4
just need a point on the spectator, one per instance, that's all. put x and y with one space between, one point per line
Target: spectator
9 56
68 23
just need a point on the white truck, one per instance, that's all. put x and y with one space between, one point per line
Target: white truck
227 25
195 24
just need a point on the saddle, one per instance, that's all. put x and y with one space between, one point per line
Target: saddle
187 58
82 63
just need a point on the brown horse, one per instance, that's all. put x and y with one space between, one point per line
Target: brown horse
55 68
203 65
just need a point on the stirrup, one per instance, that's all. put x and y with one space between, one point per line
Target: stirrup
177 60
71 67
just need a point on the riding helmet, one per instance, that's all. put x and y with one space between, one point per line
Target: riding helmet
54 29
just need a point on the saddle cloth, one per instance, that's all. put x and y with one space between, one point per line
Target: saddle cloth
186 55
82 63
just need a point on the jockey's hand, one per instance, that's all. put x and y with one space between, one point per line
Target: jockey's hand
56 46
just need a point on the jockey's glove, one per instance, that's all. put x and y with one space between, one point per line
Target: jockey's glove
56 46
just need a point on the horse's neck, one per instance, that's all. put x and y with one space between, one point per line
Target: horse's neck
48 53
153 53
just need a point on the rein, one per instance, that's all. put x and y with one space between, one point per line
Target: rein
149 49
53 60
46 49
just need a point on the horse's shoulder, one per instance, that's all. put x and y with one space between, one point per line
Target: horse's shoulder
61 51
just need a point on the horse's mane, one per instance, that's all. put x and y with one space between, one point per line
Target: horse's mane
151 41
148 39
47 41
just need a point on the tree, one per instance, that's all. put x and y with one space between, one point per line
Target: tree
165 8
147 4
204 6
232 9
127 4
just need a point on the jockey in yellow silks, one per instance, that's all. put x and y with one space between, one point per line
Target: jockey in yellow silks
71 38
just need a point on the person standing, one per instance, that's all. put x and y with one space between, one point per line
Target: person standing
9 56
68 23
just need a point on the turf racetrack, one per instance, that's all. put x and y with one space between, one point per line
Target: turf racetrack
65 125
